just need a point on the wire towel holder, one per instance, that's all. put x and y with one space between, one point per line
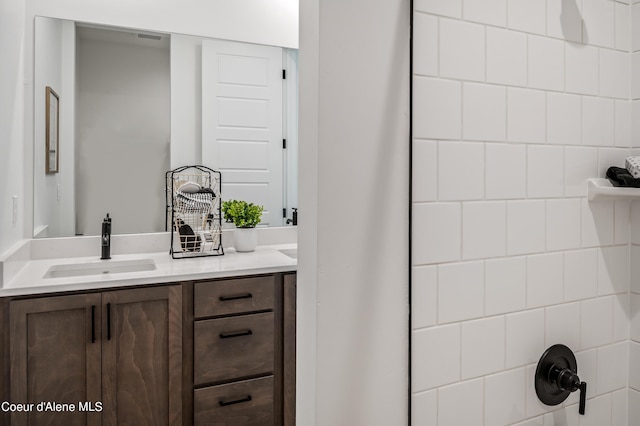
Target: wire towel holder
193 212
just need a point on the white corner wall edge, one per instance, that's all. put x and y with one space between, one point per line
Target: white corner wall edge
602 189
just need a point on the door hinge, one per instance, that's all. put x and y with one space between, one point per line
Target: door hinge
284 74
284 213
284 144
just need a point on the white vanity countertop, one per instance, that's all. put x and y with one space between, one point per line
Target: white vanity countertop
265 259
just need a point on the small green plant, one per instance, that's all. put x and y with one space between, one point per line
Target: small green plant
241 213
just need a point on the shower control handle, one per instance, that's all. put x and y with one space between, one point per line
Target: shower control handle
583 397
567 380
557 376
564 378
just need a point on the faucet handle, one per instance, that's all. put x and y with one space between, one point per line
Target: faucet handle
557 376
583 397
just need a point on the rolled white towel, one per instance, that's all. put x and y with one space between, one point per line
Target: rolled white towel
632 164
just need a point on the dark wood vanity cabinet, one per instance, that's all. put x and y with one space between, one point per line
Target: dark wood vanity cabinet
244 351
214 352
118 353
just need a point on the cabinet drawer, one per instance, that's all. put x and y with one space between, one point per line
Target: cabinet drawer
230 348
233 296
245 403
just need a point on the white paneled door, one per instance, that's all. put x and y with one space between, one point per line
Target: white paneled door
242 122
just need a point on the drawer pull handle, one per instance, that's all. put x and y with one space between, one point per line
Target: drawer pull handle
236 334
108 321
236 297
93 323
236 401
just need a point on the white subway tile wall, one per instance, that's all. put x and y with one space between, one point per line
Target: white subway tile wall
505 160
506 389
526 115
598 121
623 27
506 56
484 112
516 103
525 337
580 164
491 12
623 122
581 69
620 408
635 67
546 63
483 232
635 129
615 67
459 404
505 285
564 118
461 50
527 15
483 347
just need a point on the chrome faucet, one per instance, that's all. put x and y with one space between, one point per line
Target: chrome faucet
106 238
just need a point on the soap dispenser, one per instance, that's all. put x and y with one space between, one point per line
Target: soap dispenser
106 238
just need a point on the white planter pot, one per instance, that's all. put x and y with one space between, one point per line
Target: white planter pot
246 239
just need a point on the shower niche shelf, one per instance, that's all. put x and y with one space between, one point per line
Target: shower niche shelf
602 189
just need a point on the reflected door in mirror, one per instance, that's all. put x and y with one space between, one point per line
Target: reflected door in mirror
242 122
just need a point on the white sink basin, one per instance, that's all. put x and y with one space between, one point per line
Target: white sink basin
99 268
292 253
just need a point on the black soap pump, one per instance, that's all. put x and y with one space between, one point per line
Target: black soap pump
106 238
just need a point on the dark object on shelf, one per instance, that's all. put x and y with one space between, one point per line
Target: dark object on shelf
188 239
621 177
557 376
193 212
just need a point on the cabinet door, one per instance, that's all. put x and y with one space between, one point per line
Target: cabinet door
142 356
56 357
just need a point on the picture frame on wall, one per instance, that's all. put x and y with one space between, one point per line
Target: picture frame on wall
52 155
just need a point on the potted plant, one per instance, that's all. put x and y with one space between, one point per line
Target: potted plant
245 216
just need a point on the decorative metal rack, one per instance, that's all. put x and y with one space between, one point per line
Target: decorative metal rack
194 212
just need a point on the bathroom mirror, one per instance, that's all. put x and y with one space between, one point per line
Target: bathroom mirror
134 104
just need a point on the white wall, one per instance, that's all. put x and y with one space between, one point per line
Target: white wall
123 133
516 104
353 234
54 206
12 183
274 22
